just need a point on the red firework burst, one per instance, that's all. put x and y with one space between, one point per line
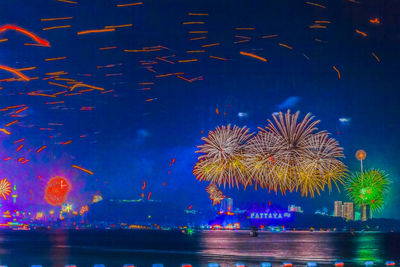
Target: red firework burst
5 188
57 190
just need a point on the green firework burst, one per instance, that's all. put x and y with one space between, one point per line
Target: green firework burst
368 188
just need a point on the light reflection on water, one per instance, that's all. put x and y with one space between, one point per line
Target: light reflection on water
115 248
302 247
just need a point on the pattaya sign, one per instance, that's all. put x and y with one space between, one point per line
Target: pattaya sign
270 215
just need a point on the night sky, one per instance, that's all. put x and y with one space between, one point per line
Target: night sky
132 134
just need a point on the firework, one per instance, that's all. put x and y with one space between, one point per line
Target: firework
303 158
216 195
368 188
5 188
261 154
321 164
57 190
221 161
83 210
97 198
285 156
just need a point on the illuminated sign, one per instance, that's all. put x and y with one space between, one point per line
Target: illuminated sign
270 215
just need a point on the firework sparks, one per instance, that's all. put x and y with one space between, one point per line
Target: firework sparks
216 195
222 159
285 156
368 188
306 159
5 188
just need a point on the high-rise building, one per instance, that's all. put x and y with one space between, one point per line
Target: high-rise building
226 205
229 204
365 212
348 210
338 209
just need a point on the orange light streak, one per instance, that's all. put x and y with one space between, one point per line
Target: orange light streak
85 85
317 27
66 143
67 1
16 72
198 38
141 50
82 169
11 123
245 29
362 33
269 36
198 14
56 73
118 26
29 68
53 19
131 4
5 131
21 110
107 48
373 54
34 37
253 56
375 21
288 47
338 72
56 27
220 58
40 149
315 4
208 45
193 22
57 84
95 31
54 58
187 60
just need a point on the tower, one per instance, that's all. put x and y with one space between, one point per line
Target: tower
14 194
348 210
338 209
365 212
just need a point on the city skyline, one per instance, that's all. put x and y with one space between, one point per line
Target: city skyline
146 126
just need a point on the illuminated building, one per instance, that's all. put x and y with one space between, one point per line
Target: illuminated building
348 210
338 209
294 208
226 205
365 212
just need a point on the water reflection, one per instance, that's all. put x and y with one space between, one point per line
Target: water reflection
300 247
59 249
368 247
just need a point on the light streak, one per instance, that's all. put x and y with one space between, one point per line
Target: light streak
253 56
131 4
34 37
16 72
53 19
82 169
56 27
95 31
